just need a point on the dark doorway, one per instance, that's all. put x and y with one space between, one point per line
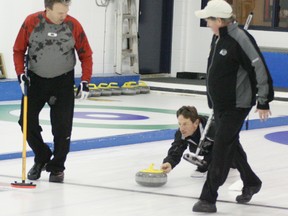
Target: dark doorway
155 36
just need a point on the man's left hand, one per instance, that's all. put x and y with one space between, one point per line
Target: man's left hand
263 114
83 90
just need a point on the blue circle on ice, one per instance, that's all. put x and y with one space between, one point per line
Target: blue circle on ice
108 116
279 137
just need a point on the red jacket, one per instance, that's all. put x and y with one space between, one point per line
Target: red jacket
51 47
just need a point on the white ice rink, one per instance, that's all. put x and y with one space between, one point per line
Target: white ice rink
101 182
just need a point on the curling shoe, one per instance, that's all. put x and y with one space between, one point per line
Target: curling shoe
57 177
247 193
204 206
35 172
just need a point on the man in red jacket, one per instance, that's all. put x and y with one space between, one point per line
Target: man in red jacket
50 38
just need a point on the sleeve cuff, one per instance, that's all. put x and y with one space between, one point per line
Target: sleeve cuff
263 106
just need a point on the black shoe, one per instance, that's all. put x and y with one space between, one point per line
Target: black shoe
35 172
247 193
202 169
56 177
204 206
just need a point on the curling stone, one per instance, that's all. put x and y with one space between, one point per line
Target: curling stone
136 86
105 91
151 177
94 91
130 88
116 90
144 88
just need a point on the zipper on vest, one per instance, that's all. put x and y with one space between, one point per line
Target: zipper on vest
208 71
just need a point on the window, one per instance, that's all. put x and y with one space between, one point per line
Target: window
267 14
283 14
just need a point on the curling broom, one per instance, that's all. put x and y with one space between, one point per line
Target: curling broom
23 183
194 158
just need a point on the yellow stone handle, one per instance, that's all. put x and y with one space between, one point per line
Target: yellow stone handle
151 169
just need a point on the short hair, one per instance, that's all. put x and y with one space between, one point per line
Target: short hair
188 112
225 20
49 3
230 19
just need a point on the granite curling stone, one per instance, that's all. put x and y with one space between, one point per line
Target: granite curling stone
151 177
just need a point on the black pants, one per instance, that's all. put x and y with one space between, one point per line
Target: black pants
58 92
227 149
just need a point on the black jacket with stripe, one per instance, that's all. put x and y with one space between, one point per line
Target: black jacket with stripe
237 74
180 144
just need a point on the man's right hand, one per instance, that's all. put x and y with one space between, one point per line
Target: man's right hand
166 167
24 83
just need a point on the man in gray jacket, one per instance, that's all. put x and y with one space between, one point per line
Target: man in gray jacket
236 74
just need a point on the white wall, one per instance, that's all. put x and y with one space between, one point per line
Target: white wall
90 16
191 42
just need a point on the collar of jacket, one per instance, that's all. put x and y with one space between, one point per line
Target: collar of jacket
226 29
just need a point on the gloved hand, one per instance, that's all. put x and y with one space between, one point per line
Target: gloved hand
83 90
24 82
206 147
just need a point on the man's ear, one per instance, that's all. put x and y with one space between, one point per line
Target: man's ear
197 122
219 22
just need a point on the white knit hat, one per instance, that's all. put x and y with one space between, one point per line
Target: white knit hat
215 8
